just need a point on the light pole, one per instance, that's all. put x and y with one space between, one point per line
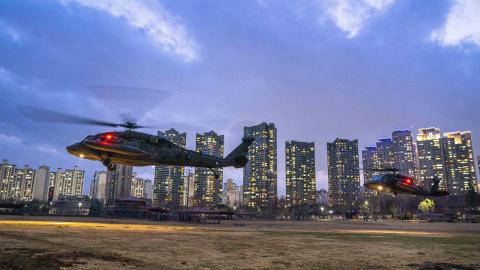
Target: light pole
366 210
321 209
79 205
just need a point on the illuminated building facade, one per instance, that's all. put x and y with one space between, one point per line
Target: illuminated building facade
260 173
208 188
459 162
370 160
404 152
300 173
7 177
138 187
23 186
385 152
168 182
16 184
343 174
68 182
430 157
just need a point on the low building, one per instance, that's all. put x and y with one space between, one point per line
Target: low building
71 206
128 207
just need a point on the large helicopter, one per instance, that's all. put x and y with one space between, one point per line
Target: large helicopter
396 183
130 147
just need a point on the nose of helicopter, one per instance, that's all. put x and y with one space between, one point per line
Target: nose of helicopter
74 149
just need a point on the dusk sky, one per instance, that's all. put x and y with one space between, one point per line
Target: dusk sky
317 69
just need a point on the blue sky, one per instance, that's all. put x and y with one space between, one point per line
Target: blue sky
317 69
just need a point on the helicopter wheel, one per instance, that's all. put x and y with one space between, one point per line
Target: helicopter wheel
108 163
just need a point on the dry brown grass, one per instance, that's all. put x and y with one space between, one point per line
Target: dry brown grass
101 244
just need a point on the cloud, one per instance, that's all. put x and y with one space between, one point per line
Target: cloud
351 15
158 24
10 139
144 175
462 25
13 33
45 148
14 140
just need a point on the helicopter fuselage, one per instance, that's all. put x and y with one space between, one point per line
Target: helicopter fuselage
397 183
141 149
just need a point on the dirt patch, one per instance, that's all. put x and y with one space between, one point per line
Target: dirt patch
34 258
260 245
444 266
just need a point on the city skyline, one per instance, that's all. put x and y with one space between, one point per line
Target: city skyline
293 64
382 155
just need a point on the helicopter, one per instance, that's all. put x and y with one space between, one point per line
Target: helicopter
396 183
130 147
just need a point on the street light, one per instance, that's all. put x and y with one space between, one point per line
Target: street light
322 208
79 205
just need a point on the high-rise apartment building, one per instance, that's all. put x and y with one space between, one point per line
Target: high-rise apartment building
7 178
98 187
232 194
404 152
119 183
148 189
343 174
460 170
168 183
189 188
15 183
208 182
370 160
68 182
300 173
430 157
138 187
385 153
41 184
23 186
260 173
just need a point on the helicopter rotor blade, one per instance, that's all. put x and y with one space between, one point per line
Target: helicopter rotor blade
43 115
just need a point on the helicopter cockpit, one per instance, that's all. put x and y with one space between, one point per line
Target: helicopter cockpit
103 138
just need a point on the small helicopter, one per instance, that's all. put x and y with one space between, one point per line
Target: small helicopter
135 148
396 183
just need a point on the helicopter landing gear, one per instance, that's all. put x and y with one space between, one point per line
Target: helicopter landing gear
108 163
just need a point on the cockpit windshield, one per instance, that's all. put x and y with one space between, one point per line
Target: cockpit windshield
90 138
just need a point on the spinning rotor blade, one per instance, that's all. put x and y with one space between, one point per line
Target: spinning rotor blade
43 115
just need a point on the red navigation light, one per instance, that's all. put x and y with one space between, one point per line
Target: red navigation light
408 181
109 136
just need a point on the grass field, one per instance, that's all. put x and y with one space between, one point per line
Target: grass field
82 243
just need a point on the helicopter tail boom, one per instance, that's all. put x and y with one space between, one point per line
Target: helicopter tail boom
238 157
